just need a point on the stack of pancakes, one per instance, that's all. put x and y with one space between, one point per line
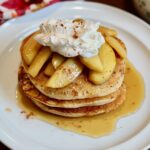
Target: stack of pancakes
80 98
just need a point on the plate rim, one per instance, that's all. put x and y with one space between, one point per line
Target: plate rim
4 137
79 2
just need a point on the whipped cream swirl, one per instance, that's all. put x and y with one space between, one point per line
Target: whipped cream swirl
71 38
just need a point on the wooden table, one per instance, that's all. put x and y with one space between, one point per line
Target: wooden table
123 4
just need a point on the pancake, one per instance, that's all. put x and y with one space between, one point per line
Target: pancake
76 90
30 91
85 111
81 97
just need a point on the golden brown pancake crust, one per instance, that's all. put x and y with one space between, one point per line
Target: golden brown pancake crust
76 90
85 111
27 86
31 92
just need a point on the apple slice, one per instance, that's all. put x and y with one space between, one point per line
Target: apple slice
93 63
114 43
108 59
107 31
49 70
65 74
30 49
57 60
39 61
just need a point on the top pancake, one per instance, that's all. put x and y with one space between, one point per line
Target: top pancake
31 92
82 88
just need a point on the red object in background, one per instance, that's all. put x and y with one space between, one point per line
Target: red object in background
14 4
22 4
20 7
1 14
1 17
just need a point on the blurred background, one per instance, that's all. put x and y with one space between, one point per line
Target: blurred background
15 8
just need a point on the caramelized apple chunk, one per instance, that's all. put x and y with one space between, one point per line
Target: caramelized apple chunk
108 59
118 47
93 63
107 31
49 70
39 61
65 74
57 60
30 49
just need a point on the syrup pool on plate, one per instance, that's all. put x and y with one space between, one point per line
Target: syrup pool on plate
99 125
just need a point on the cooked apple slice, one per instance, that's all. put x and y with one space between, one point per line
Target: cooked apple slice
121 43
39 61
49 70
108 59
114 43
65 74
93 63
30 49
57 60
107 31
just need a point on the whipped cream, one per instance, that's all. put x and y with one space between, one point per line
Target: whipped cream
71 38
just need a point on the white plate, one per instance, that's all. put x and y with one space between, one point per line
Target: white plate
132 133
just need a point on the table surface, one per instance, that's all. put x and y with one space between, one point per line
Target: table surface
123 4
